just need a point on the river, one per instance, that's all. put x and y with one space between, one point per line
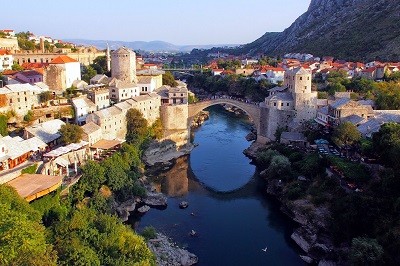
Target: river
228 207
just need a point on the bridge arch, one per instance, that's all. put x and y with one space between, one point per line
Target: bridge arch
252 110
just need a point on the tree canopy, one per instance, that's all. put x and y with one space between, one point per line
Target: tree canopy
22 236
346 134
71 133
386 144
168 79
136 126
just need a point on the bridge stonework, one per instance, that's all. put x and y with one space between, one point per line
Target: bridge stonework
252 110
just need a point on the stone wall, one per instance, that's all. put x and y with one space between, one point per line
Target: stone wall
9 44
54 76
174 117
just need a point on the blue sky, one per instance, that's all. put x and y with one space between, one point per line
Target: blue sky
175 21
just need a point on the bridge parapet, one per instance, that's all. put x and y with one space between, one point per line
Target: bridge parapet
251 109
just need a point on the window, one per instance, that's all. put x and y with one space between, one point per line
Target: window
305 87
281 104
287 104
274 104
301 78
10 100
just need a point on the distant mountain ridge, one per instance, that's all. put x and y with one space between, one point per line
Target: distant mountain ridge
348 29
152 46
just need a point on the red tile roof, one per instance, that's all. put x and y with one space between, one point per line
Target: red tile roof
63 59
4 52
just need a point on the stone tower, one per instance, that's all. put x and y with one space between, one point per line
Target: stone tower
123 65
298 81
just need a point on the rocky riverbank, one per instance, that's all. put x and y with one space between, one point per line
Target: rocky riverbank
161 154
200 119
312 235
169 254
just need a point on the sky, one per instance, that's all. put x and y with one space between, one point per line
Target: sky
181 22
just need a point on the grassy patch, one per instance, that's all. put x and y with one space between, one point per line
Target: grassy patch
30 169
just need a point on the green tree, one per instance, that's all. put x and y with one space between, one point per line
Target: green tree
136 126
88 72
386 143
279 167
29 116
346 134
336 87
100 65
71 133
365 251
168 79
156 129
22 237
45 96
17 67
91 238
3 125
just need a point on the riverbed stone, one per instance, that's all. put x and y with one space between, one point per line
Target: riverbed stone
155 199
167 253
307 259
144 209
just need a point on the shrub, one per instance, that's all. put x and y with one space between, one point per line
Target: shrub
149 233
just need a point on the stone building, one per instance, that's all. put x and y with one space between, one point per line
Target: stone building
123 65
91 133
120 90
85 56
62 72
112 120
345 108
100 96
289 106
154 73
19 98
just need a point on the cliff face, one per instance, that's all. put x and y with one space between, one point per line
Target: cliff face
348 29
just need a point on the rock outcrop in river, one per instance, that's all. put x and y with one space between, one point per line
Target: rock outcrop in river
169 254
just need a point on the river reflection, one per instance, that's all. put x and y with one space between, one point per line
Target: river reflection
232 215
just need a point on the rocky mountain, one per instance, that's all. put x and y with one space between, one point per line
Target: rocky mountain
152 46
348 29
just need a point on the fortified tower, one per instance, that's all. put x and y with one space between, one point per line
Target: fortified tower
298 82
123 65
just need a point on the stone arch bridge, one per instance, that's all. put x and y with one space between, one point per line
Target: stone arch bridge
251 109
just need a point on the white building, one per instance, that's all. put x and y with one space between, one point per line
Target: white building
72 69
120 91
48 131
6 60
146 84
82 107
100 96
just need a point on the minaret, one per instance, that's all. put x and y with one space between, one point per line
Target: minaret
108 58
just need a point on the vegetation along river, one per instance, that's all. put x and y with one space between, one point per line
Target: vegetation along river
228 206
